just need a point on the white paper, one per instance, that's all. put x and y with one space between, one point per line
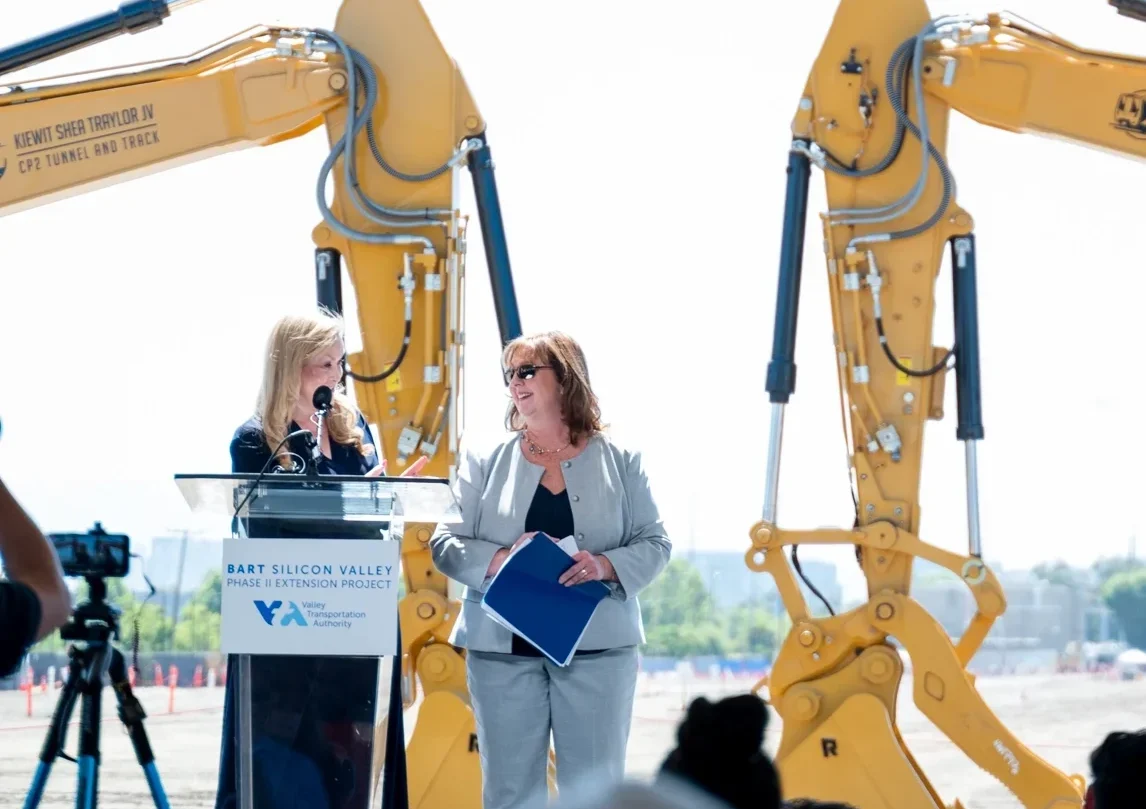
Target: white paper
569 545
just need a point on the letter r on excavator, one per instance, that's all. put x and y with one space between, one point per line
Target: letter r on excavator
829 747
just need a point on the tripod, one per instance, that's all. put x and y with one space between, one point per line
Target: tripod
92 627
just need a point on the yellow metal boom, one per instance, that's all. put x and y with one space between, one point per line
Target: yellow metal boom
394 220
883 85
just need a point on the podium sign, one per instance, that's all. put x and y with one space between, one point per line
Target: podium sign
313 712
331 597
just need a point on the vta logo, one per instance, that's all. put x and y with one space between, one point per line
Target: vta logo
293 616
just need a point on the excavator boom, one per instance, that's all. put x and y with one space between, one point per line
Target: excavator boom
67 137
874 118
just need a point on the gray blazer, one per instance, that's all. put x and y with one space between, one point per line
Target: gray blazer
614 515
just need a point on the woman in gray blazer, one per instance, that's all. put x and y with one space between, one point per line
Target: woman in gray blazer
558 474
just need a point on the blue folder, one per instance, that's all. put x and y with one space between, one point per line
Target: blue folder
526 597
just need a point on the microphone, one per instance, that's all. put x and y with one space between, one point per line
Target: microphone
322 399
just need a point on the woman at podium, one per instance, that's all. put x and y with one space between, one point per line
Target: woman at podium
306 711
304 353
558 474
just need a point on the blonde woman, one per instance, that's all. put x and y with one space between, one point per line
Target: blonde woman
304 353
294 706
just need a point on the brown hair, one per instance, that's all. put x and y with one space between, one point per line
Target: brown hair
579 407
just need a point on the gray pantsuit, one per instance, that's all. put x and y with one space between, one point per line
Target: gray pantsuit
518 700
588 706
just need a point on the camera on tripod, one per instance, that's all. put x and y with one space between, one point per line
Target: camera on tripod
94 555
92 657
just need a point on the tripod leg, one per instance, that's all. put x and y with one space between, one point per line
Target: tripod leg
131 713
87 780
57 730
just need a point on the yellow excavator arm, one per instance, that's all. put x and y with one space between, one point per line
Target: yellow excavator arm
393 218
874 117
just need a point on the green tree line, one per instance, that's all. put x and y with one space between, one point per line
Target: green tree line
683 619
1121 585
681 616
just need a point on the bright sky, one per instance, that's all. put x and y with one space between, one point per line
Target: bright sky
640 156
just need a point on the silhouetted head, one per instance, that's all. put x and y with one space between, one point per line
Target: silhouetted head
1117 766
720 749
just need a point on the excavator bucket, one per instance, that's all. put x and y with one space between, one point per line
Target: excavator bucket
444 734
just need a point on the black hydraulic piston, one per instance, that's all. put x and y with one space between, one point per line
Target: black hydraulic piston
328 284
781 381
968 383
328 278
496 248
131 17
1134 9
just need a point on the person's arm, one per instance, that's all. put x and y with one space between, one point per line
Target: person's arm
368 438
377 462
646 550
456 552
249 451
31 561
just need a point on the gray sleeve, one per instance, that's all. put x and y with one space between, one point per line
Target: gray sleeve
456 553
646 550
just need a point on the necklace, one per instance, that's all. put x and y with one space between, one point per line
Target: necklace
534 449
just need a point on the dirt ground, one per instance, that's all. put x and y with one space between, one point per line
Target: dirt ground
1060 717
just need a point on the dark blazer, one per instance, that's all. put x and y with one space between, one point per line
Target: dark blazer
249 451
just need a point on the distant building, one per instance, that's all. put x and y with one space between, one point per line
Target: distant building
1040 615
176 566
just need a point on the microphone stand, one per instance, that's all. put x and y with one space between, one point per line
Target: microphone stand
321 418
316 444
322 400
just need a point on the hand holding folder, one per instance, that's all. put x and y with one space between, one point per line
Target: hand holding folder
526 597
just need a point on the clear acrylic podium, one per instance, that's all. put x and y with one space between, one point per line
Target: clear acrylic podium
305 729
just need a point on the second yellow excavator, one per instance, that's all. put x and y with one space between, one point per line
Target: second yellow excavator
874 117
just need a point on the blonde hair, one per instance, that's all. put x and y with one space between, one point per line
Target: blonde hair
293 341
580 409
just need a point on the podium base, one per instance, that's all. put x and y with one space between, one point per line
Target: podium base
312 734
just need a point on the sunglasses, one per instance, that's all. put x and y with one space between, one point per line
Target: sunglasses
522 372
